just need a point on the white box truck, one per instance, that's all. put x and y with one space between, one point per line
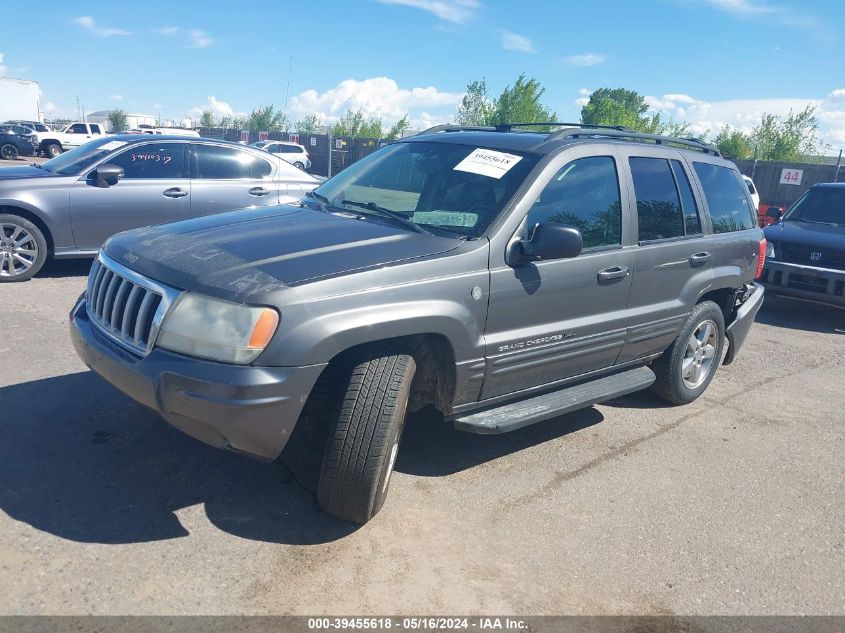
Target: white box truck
19 100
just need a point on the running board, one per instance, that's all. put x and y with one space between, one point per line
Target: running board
515 415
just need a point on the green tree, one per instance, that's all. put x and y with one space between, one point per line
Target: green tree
733 143
267 118
476 107
620 106
521 103
117 120
395 132
793 139
308 124
207 119
355 124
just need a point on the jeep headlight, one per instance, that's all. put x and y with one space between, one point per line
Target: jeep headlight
217 330
770 250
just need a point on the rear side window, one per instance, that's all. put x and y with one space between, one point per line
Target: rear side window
227 163
658 202
96 129
726 197
583 194
152 160
692 223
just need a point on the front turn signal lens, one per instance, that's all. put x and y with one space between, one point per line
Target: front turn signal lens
265 327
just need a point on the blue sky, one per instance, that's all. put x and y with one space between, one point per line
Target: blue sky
707 61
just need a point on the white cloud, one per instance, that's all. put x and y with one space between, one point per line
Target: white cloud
116 97
457 11
3 68
741 7
584 59
517 42
167 30
199 39
745 114
379 97
796 17
218 108
90 25
157 106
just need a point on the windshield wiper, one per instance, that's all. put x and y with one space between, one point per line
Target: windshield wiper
389 214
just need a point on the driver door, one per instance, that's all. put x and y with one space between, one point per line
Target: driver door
155 188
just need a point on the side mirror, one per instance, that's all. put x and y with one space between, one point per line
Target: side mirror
774 212
107 175
550 241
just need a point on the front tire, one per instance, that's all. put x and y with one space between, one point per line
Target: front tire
53 150
8 152
687 367
364 439
23 249
299 165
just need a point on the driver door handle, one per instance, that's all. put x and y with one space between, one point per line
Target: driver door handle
175 192
259 191
700 258
617 272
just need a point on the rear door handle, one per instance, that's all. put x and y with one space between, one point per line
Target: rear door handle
617 272
259 191
175 192
700 258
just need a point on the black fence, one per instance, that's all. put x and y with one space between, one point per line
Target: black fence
329 154
780 184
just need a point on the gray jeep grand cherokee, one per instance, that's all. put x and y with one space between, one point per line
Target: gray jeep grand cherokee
504 276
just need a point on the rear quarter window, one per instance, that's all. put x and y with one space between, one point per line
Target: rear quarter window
726 196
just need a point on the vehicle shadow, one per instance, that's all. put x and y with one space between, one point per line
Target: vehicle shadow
57 268
83 462
797 314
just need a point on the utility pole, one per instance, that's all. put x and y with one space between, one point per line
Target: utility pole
838 166
287 89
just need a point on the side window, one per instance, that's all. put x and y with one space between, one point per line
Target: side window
692 223
261 168
583 194
96 129
78 128
726 196
658 203
151 160
223 163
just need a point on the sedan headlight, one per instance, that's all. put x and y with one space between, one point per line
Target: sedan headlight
770 250
217 330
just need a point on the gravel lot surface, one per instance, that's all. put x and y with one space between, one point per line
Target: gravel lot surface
732 505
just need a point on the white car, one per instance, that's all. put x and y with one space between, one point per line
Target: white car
754 194
294 153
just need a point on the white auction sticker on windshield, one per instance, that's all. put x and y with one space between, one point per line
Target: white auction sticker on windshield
488 162
112 145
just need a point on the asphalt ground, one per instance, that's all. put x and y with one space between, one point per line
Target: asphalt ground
734 504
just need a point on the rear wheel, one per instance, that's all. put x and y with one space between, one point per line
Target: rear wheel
53 150
23 249
8 151
687 367
364 440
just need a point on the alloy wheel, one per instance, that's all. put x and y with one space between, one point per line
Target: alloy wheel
700 354
18 250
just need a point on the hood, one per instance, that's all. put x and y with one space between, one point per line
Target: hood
236 254
23 171
807 234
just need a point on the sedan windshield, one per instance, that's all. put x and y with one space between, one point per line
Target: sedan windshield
820 206
81 158
445 188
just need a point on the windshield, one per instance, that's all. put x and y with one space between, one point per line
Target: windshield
446 188
81 158
819 205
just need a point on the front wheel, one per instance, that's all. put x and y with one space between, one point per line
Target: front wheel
299 165
8 152
364 440
687 367
23 249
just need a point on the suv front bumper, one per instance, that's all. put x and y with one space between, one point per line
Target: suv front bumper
250 410
805 282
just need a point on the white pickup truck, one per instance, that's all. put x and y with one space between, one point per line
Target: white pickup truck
72 135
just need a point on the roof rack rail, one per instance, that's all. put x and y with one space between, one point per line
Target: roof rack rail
458 128
628 134
507 127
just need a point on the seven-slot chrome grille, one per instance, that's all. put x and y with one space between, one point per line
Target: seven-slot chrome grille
125 305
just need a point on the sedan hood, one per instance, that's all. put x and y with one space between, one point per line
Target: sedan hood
236 254
807 234
23 171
